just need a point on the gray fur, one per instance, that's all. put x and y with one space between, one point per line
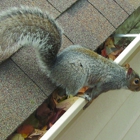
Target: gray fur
29 27
72 69
84 70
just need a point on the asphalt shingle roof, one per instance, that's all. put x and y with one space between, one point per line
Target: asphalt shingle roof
23 87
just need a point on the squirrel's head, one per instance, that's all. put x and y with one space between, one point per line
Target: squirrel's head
133 79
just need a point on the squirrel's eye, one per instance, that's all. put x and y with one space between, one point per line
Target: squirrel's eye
136 81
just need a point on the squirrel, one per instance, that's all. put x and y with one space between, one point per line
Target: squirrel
73 68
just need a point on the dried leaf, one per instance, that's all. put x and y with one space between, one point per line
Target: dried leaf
37 132
17 137
44 128
58 113
25 130
111 50
43 111
82 90
66 104
110 42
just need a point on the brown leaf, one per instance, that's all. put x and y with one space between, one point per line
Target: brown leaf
82 90
57 114
43 111
25 130
111 50
110 42
37 132
43 114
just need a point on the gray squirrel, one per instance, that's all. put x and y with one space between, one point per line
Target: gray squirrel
75 67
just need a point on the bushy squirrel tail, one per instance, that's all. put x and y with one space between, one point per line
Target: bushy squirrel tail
26 26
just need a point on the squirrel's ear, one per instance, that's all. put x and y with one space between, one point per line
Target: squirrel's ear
129 69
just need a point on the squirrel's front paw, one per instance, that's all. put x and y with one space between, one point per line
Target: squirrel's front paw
87 98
